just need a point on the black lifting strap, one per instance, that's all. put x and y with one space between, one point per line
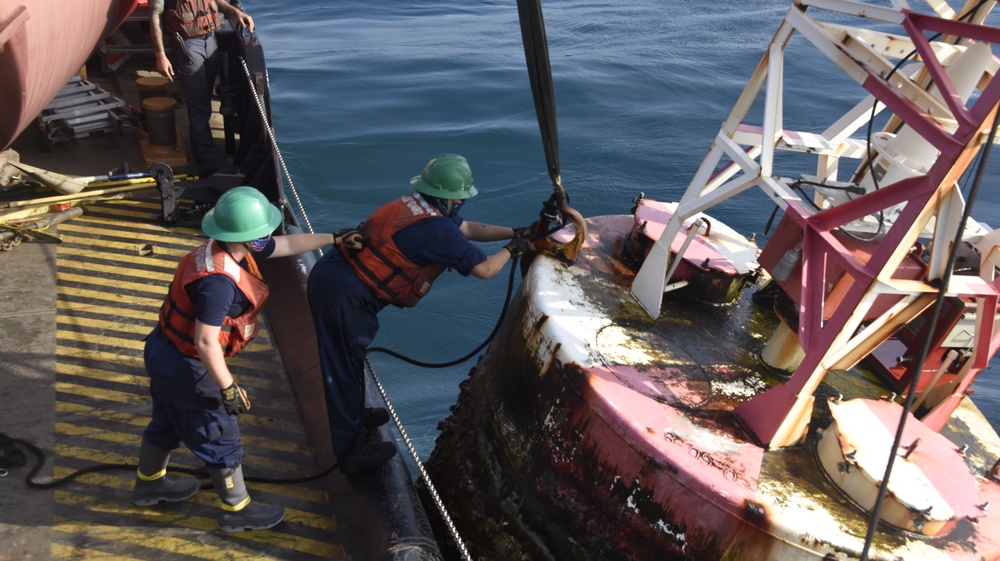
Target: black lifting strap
536 54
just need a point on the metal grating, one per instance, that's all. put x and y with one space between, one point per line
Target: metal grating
113 269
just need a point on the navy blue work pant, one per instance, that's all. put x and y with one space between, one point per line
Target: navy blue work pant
197 72
186 407
345 313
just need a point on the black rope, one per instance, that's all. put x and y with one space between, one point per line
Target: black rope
536 54
496 328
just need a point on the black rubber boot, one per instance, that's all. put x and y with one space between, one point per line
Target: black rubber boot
242 514
364 456
152 485
373 417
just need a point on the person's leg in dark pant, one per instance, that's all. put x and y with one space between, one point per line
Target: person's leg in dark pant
197 76
346 321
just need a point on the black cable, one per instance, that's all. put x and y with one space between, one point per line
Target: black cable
496 328
12 450
12 455
869 153
925 346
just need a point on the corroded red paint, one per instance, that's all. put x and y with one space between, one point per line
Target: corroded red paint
635 462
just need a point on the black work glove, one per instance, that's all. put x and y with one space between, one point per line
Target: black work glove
522 233
349 238
235 400
531 232
518 247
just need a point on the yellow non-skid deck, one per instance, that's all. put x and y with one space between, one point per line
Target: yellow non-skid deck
112 271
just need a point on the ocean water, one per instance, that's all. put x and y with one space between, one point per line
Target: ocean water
364 93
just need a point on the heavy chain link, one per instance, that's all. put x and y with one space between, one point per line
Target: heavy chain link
11 243
420 466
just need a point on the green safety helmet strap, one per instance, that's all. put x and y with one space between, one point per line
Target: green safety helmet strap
447 177
241 214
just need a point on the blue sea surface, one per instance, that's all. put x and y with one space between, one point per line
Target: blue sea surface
364 93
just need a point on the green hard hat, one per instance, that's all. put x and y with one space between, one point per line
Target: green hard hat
241 214
447 177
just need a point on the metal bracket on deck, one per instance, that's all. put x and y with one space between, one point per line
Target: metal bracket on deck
170 195
202 192
172 191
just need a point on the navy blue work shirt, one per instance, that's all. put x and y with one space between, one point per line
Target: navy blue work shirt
439 241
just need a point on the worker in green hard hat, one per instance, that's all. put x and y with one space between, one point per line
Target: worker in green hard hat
408 242
210 313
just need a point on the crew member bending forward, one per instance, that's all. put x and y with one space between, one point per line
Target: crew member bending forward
407 243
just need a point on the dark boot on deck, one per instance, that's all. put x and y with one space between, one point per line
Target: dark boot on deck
152 485
373 417
361 456
242 514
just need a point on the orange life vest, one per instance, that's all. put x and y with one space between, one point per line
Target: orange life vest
381 265
177 314
193 18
